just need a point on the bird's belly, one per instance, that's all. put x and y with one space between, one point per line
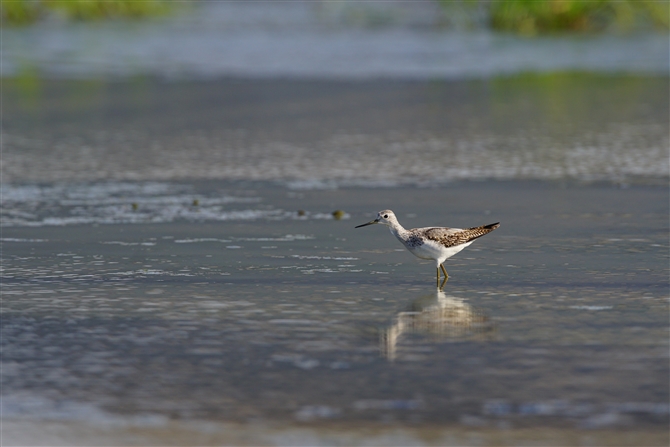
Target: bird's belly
435 251
427 250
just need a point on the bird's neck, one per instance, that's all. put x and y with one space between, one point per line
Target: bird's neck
397 230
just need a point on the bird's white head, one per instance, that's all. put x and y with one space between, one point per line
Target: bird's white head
385 217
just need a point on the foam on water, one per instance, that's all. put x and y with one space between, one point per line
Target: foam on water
141 202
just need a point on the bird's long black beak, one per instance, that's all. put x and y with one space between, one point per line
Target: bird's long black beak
369 223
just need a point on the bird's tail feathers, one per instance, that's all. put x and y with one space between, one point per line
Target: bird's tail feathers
477 232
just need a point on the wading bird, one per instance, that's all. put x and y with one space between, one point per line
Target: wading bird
436 243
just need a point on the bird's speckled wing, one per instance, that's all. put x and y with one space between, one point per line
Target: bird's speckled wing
450 237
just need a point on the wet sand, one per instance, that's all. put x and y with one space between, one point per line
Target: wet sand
175 433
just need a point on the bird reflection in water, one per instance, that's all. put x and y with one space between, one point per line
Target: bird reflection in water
438 316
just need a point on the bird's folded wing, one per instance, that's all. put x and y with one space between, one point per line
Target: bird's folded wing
450 237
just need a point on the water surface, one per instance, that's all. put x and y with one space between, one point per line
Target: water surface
557 319
318 134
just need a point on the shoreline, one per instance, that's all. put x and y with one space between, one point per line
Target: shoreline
177 433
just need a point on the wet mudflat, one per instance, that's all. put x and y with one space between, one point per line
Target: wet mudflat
290 321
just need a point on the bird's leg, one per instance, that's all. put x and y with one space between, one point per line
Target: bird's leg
446 275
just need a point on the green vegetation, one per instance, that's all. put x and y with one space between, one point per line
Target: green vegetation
21 12
531 17
527 17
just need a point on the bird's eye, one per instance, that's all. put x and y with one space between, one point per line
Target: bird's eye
386 216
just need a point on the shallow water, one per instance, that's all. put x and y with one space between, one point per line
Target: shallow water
317 134
557 319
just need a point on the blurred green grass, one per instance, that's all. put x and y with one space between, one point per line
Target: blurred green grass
23 12
527 17
531 17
